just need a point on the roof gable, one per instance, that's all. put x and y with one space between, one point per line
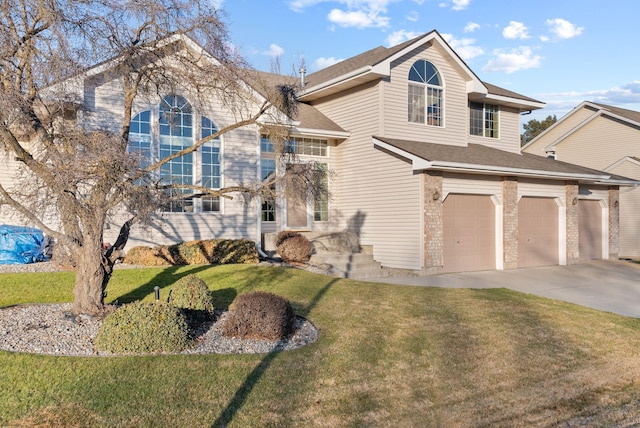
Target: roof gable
625 116
376 63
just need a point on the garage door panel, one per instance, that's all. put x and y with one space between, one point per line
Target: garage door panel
589 229
469 233
537 232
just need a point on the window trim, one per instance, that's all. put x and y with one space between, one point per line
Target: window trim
486 108
196 204
436 120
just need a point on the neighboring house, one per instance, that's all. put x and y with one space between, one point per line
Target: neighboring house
425 164
606 138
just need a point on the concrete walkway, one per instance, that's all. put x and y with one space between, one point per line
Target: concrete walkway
612 286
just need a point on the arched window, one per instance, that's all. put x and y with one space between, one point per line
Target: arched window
425 94
176 131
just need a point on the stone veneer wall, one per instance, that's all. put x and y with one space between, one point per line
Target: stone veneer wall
510 218
573 244
433 223
614 222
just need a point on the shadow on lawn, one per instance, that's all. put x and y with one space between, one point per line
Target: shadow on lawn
242 393
164 278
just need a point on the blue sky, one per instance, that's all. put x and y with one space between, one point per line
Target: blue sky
560 52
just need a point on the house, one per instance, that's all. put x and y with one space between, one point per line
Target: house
606 138
425 162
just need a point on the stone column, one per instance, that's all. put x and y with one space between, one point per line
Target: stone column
614 222
573 243
433 223
510 221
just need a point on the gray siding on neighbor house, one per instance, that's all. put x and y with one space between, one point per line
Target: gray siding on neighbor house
599 144
562 127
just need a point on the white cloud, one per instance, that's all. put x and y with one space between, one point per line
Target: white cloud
563 29
413 16
471 27
400 36
322 62
515 30
274 51
217 3
298 5
544 38
460 4
358 18
521 58
465 47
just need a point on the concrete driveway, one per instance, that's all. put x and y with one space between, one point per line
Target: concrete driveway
612 286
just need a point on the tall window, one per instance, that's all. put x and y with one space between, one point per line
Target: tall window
484 120
425 103
176 132
268 171
321 201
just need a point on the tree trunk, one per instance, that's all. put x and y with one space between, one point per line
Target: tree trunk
90 275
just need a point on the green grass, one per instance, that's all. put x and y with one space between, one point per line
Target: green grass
387 356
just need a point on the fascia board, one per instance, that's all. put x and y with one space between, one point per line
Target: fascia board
321 132
337 80
620 162
525 103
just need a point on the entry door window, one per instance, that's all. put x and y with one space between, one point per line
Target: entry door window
296 196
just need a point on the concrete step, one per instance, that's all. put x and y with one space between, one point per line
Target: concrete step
354 265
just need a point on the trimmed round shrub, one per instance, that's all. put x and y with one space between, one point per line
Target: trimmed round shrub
190 292
143 327
260 315
293 247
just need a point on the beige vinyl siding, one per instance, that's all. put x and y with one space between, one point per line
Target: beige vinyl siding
560 129
395 120
472 184
609 139
509 132
542 188
629 211
376 194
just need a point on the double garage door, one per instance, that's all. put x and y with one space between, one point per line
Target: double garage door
469 232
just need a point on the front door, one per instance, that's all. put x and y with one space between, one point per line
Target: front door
297 203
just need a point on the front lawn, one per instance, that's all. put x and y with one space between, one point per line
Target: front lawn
387 355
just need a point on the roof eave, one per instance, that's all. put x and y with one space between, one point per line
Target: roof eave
354 78
421 164
520 104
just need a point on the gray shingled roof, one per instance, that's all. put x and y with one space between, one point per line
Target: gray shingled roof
623 112
379 54
368 58
477 154
308 116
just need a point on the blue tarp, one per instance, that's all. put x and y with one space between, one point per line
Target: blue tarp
21 245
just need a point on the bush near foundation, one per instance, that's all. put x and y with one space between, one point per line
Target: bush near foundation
293 247
143 327
210 251
260 315
194 298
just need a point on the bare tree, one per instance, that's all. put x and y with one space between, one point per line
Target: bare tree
76 174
